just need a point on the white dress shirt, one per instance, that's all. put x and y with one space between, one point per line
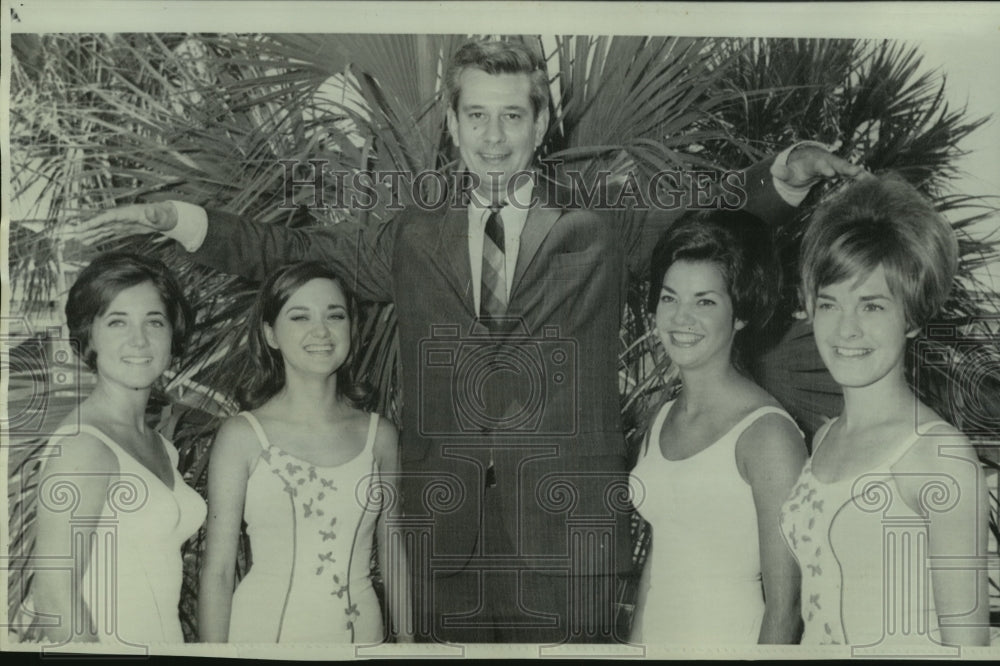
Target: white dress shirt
514 217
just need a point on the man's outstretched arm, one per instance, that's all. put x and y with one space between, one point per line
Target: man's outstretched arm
772 189
360 253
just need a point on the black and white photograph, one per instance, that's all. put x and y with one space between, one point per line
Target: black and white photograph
338 330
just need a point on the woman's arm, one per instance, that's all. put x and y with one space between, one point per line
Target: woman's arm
392 554
234 451
87 467
770 455
641 594
957 513
642 586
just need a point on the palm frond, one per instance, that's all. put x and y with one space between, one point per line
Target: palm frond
99 120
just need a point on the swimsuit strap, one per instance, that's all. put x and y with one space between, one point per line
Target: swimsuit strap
741 425
908 442
122 455
372 429
654 430
265 443
821 434
756 414
98 433
901 449
262 439
75 429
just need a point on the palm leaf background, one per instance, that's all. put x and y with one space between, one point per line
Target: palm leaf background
100 120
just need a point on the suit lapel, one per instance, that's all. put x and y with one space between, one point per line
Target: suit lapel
453 244
536 227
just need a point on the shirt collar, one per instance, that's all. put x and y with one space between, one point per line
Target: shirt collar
522 195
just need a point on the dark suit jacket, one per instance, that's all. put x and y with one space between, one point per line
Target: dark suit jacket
552 382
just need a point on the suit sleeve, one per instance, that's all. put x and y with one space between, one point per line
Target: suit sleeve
761 199
361 254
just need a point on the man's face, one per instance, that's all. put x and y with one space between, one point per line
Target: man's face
495 128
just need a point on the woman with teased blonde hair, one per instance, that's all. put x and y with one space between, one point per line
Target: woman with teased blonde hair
891 489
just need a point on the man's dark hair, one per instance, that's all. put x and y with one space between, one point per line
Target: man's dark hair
499 57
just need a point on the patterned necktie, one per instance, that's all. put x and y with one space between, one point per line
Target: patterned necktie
493 298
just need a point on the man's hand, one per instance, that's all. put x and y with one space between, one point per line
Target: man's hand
126 221
808 163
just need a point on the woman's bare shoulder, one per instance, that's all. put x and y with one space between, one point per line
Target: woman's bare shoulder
79 449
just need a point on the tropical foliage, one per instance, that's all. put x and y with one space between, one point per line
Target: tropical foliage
102 120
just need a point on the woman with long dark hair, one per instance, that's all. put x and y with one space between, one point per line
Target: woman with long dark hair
312 473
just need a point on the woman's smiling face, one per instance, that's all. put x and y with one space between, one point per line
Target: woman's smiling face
860 329
132 338
694 316
313 330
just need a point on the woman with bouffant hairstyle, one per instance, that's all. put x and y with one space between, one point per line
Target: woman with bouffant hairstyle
129 318
891 488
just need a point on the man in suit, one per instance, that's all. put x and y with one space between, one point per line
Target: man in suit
513 455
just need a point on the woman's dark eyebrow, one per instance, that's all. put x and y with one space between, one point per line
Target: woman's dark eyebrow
700 293
119 313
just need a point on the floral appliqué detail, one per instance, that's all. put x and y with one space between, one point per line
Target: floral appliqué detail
315 497
804 525
352 612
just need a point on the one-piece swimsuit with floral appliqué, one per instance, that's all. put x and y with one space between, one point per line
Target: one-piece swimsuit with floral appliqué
839 532
311 532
